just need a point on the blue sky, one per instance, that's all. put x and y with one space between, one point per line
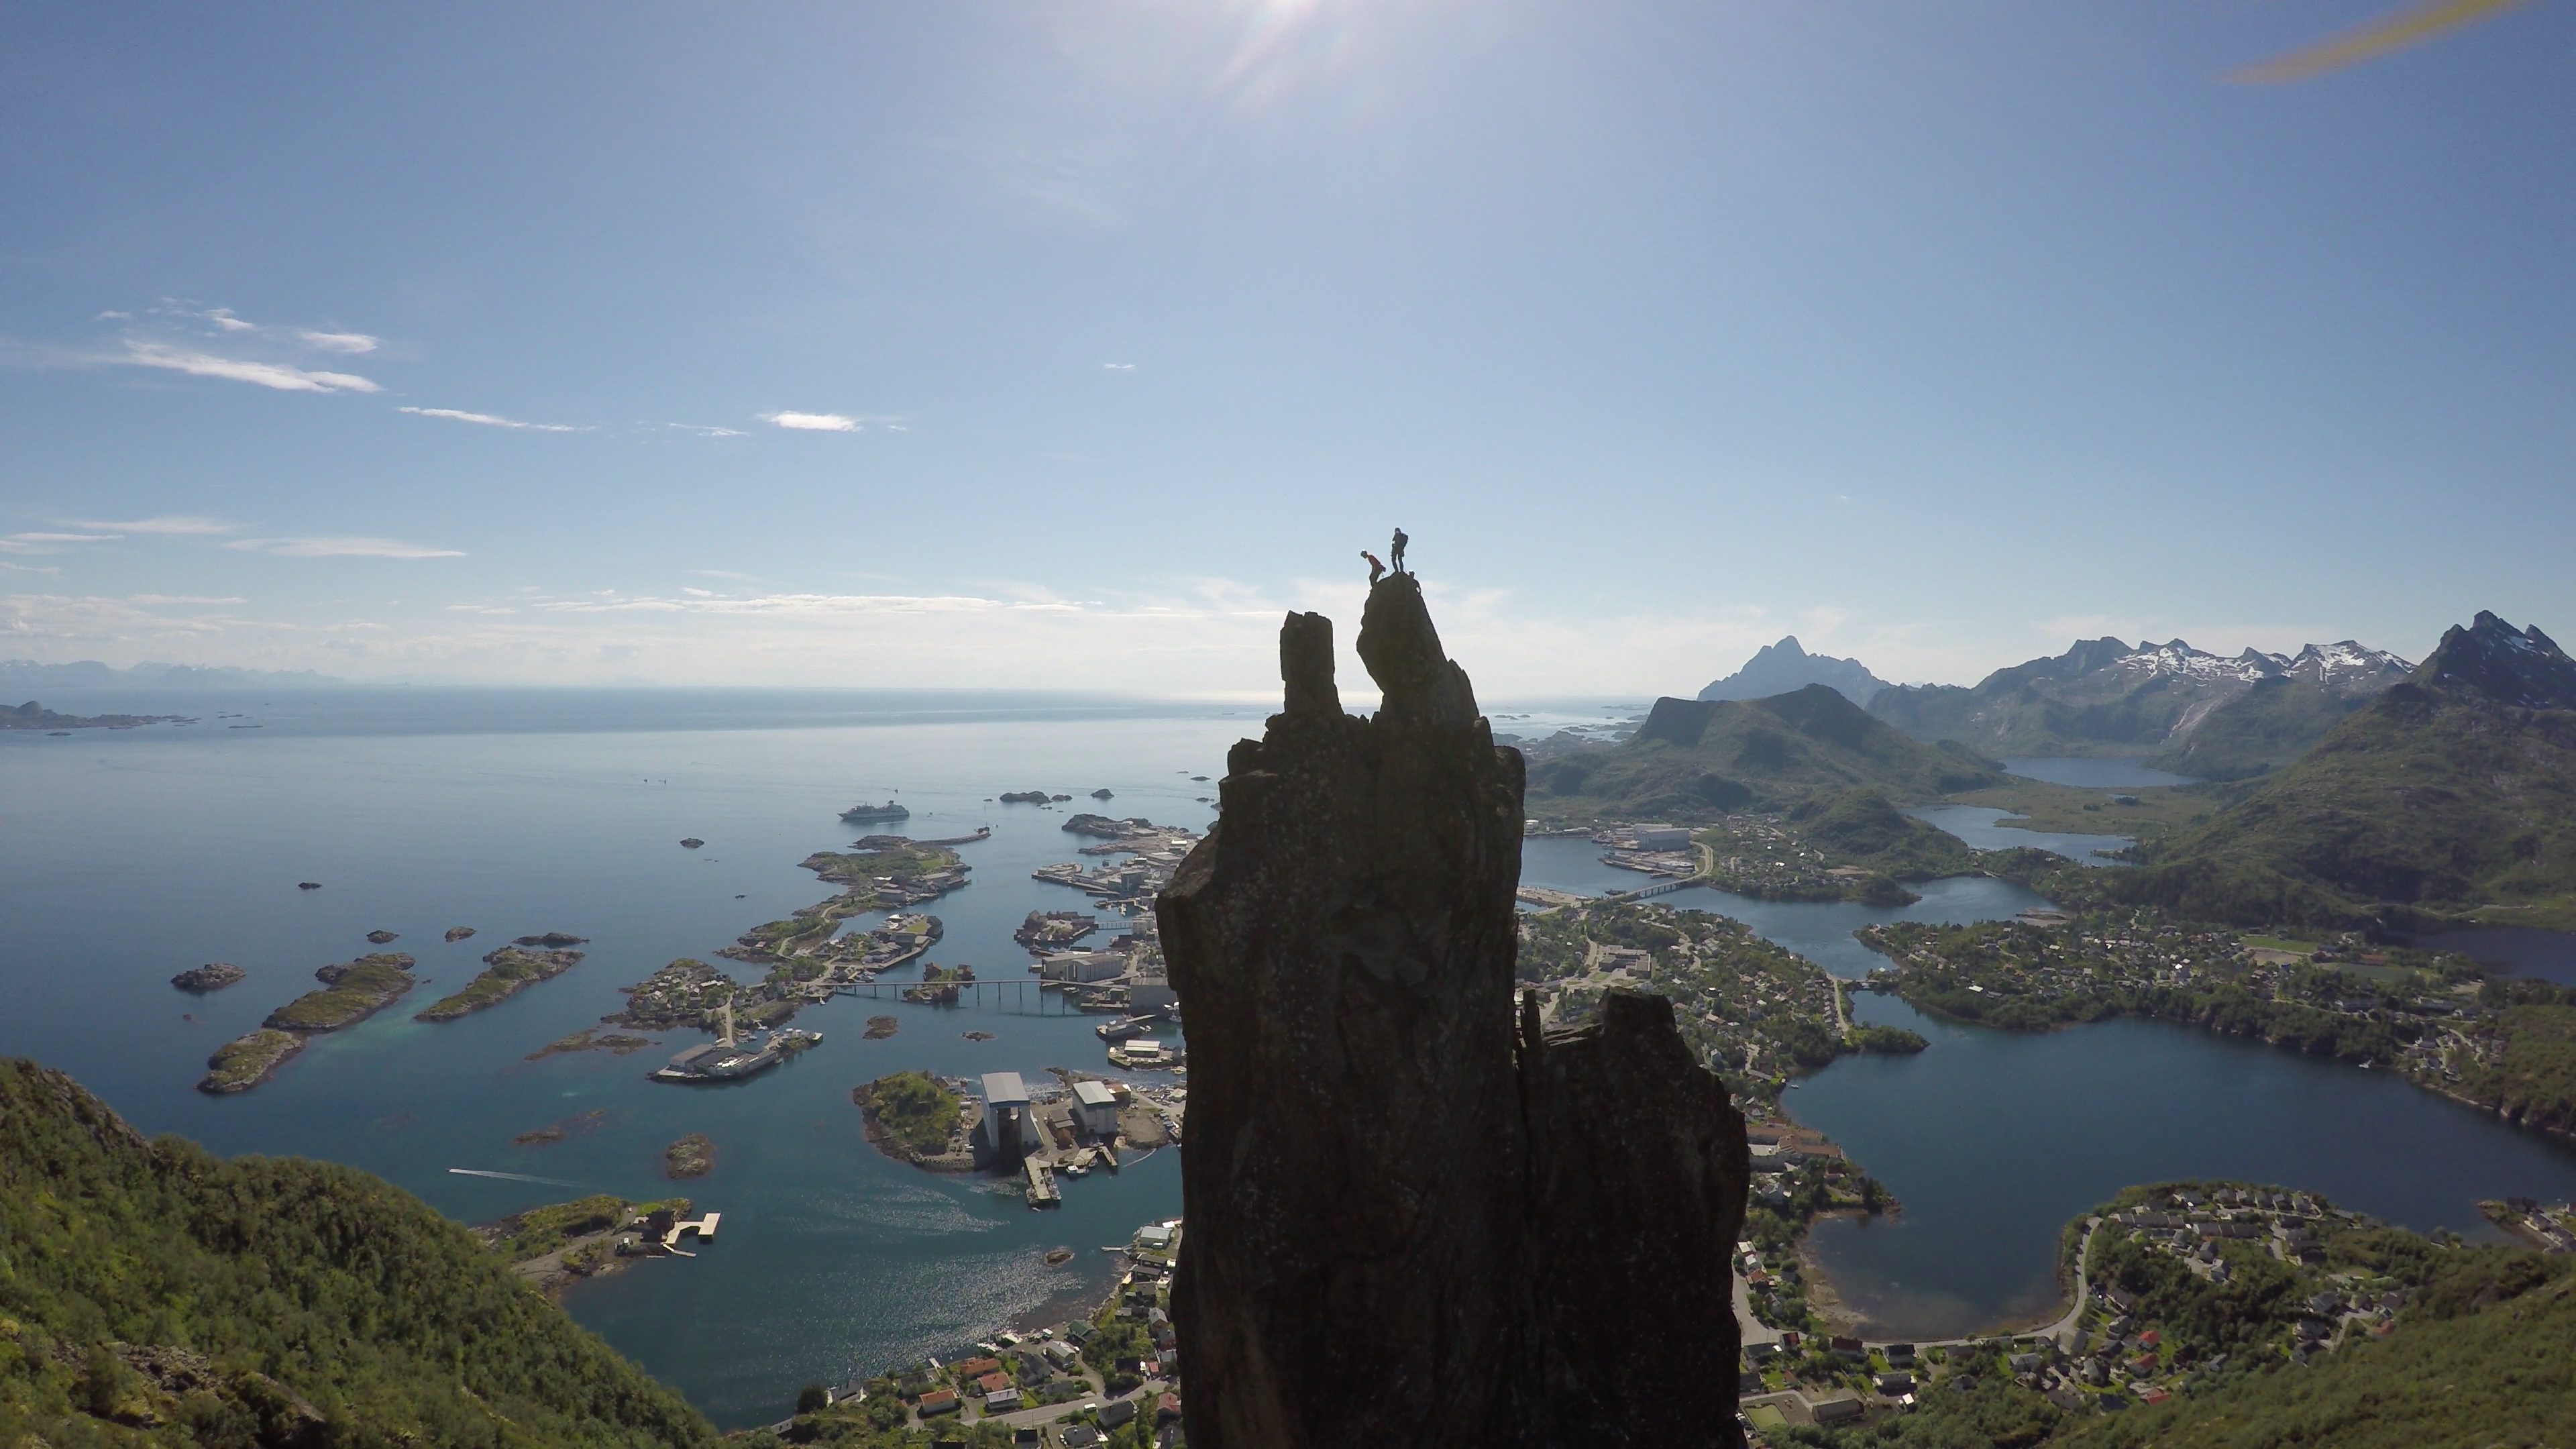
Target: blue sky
1938 335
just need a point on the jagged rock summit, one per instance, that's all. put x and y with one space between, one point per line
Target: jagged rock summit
1415 1215
1785 666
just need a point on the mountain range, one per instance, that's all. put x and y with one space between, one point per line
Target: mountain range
1782 667
1696 759
2450 791
2208 715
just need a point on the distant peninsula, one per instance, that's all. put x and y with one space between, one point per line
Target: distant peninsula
34 716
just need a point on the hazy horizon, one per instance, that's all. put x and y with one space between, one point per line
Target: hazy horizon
987 346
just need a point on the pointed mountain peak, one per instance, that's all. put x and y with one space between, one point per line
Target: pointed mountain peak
1786 666
2511 666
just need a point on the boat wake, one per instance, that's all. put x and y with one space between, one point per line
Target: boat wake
512 1176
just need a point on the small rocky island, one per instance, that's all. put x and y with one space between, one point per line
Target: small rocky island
691 843
506 972
382 938
915 1117
558 1245
879 1028
691 1156
590 1039
213 976
459 933
1030 797
553 940
351 992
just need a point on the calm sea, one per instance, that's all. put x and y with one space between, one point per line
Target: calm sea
129 856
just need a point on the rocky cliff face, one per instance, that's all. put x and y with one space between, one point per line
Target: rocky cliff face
1413 1218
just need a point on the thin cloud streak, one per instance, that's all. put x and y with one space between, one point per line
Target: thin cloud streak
179 524
341 548
27 543
489 420
277 375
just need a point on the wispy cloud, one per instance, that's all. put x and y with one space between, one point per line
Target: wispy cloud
25 543
169 523
490 420
349 342
282 376
342 548
1119 366
158 599
227 322
813 422
704 430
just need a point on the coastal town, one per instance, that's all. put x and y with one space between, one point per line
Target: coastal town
2177 1288
2437 1019
1107 1380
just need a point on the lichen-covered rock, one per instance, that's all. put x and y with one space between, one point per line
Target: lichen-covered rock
1408 1219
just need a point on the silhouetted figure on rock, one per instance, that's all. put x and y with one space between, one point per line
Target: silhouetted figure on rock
1396 552
1413 1215
1377 570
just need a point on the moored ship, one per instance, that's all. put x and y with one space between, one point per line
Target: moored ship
861 813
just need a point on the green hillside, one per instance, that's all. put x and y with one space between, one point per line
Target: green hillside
2481 1362
2451 795
1861 827
153 1294
2263 729
1698 759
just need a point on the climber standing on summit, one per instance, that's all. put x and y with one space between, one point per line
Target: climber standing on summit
1396 553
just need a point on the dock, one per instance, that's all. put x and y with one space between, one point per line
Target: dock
704 1227
1042 1189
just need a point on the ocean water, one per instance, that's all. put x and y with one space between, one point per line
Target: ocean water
127 857
1993 1140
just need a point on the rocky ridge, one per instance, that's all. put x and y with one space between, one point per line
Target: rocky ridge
1410 1219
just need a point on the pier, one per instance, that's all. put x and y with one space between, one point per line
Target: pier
1011 998
1042 1189
704 1227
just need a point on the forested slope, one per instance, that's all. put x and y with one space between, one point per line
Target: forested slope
151 1293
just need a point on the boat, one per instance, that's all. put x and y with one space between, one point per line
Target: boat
1127 1026
861 813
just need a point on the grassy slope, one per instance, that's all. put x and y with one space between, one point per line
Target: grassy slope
2423 802
290 1279
507 972
914 1109
2262 730
1695 760
2503 1373
365 986
1861 827
2535 1080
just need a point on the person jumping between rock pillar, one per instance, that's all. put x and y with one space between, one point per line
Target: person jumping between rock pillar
1377 570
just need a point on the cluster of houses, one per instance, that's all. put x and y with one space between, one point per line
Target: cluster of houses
2546 1228
1045 1384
